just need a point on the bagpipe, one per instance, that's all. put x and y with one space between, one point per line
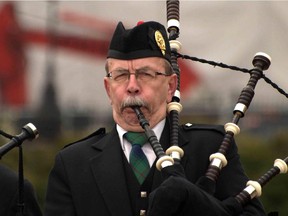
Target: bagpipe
169 162
29 132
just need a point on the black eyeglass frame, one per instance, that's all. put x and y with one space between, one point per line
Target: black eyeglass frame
136 74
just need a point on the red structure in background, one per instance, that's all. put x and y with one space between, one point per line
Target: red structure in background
14 39
12 60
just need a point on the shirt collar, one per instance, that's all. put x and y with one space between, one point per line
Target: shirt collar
157 130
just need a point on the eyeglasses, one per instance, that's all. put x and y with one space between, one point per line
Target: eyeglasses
141 75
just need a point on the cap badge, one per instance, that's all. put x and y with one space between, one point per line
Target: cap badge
160 41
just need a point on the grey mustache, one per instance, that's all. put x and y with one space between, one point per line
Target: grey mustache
132 101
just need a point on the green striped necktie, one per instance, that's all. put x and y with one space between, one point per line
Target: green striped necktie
137 158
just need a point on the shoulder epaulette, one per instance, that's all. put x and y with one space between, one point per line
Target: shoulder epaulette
190 126
96 135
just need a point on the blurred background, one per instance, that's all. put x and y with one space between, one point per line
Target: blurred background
52 56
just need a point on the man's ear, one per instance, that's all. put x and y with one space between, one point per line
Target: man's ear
172 87
107 86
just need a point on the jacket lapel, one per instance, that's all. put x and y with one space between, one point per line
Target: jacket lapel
165 137
182 140
165 143
107 167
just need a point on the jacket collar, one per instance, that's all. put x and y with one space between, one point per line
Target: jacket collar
165 137
107 168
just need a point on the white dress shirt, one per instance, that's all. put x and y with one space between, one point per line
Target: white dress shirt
147 149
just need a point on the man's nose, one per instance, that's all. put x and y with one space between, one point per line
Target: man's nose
133 84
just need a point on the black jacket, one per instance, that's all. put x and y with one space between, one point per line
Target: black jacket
88 178
9 195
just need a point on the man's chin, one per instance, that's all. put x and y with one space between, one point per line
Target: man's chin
131 119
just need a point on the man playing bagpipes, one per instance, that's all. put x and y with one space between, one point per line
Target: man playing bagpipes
113 173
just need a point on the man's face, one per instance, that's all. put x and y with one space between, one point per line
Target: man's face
153 93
